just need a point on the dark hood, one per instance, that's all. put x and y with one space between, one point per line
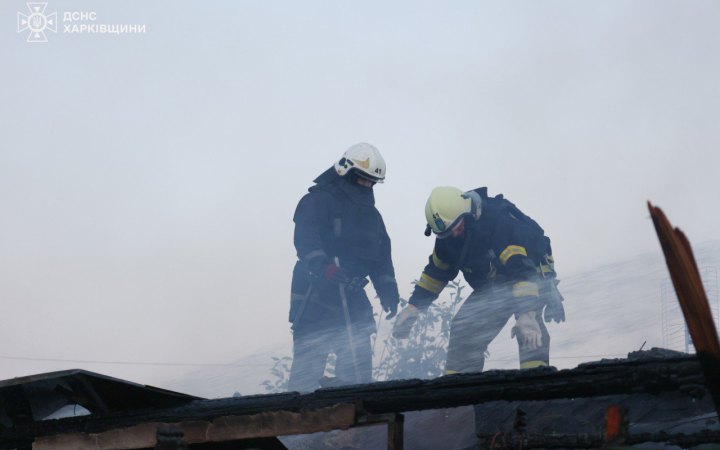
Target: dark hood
344 186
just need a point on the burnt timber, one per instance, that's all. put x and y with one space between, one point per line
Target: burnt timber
263 416
692 297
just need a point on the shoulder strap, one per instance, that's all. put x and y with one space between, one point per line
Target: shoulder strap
515 211
499 204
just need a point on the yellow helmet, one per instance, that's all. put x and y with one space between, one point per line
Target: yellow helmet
446 206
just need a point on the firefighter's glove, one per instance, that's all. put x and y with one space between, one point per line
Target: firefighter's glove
357 284
389 297
405 321
527 329
336 275
390 306
554 310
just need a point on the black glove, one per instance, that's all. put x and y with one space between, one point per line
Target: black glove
554 310
357 284
390 307
389 297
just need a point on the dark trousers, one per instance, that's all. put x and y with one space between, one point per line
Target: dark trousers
478 322
311 349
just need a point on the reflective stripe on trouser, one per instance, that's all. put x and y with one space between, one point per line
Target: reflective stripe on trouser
312 348
477 323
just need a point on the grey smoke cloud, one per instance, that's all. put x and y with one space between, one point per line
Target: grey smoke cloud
147 183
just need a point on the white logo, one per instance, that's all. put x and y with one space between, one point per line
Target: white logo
37 22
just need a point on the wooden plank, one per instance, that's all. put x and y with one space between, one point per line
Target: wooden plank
693 300
222 429
396 431
632 376
278 423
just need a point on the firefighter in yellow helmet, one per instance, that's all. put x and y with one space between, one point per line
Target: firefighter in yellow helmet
506 258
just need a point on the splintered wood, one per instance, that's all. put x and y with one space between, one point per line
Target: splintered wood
691 295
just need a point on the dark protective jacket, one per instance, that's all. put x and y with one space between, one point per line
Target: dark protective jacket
504 247
338 218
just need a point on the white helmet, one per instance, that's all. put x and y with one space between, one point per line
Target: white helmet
363 159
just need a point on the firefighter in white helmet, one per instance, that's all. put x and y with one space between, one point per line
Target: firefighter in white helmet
364 161
506 258
340 240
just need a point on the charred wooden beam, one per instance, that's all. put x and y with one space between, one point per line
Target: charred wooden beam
691 295
587 380
592 441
